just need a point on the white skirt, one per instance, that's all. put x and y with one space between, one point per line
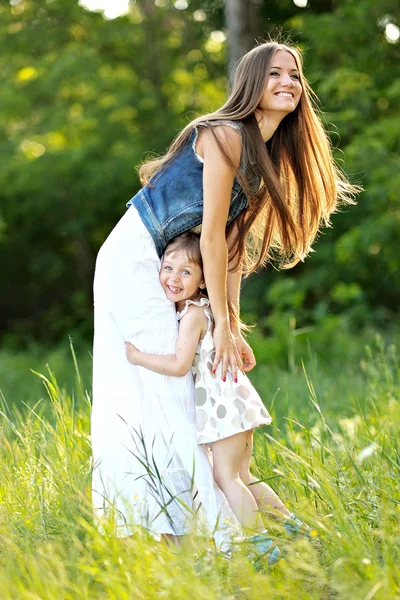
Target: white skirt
148 469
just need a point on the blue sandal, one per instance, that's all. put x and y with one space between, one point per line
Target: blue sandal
294 526
262 546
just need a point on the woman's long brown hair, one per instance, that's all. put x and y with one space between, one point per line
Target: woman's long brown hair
292 182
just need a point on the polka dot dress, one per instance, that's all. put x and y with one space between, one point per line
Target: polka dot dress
222 408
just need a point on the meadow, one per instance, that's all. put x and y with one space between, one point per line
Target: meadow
83 100
332 453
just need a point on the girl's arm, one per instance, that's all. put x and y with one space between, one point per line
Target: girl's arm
177 364
218 176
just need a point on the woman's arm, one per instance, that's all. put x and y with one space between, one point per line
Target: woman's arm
177 364
218 176
244 350
234 280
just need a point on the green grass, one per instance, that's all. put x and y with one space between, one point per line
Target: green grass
332 454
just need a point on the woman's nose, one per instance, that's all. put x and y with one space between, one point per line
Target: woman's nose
287 80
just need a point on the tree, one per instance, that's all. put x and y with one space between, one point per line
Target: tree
355 72
82 104
243 27
85 98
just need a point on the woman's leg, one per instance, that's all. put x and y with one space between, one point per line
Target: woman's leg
265 497
228 455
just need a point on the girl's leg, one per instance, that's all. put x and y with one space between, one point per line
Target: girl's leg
170 539
228 455
176 540
265 497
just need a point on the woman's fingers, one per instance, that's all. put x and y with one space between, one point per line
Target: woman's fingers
224 360
234 367
229 361
225 365
217 359
246 354
249 360
239 360
226 353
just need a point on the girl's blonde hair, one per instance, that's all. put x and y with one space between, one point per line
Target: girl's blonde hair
292 183
189 243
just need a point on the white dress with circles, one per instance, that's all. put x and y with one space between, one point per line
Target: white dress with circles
222 408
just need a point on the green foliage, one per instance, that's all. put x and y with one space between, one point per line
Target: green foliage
18 381
85 98
83 102
337 468
357 90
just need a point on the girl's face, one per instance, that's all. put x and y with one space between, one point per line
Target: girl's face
283 89
180 277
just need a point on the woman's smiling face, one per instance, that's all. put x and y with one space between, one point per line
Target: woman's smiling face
283 89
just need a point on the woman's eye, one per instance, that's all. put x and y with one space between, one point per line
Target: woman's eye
295 76
274 73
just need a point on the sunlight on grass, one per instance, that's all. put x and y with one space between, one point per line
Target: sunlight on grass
340 475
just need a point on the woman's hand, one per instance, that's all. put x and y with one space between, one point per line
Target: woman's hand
245 351
132 353
226 352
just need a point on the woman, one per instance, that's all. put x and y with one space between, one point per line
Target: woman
257 178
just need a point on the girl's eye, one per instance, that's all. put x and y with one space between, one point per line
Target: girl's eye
186 272
167 268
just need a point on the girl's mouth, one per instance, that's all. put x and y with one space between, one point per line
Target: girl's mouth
174 290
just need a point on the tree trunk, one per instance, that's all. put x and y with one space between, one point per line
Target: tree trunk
153 50
242 23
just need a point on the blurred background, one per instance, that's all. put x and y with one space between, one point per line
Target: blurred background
90 88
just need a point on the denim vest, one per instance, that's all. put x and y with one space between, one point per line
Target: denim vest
175 203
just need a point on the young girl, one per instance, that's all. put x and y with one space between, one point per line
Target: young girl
227 410
258 179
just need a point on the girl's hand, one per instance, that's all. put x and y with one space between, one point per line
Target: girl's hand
226 352
132 353
245 351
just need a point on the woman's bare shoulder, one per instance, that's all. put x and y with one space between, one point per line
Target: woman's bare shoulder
226 135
